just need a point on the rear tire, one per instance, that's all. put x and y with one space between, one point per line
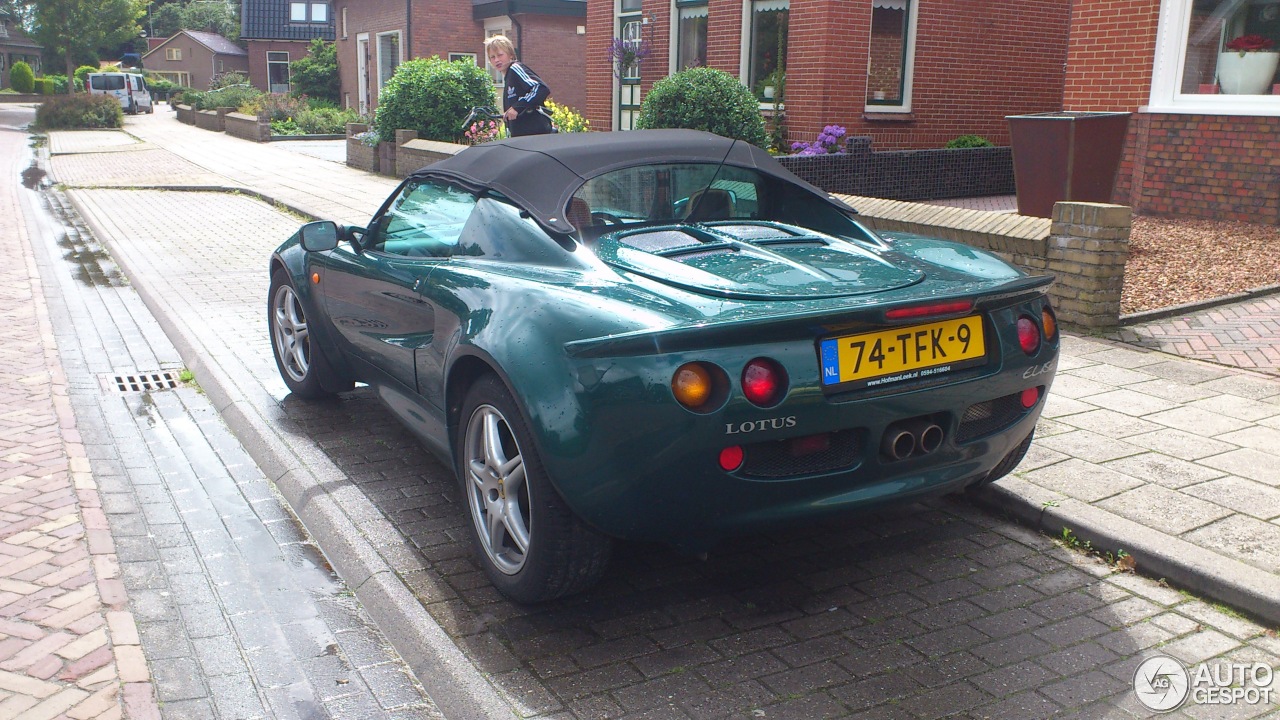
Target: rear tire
530 544
1005 466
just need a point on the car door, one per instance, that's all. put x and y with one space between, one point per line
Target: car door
373 293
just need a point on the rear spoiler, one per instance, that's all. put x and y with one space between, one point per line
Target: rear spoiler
730 330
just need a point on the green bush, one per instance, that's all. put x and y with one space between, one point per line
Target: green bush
325 121
82 74
275 106
162 89
21 78
316 75
704 98
234 96
229 78
189 97
48 86
431 96
969 141
82 110
59 84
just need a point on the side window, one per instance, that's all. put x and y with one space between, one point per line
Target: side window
498 231
424 220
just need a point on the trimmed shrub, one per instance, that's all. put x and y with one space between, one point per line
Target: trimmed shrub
59 84
234 96
431 96
81 110
21 78
704 98
969 141
48 86
82 74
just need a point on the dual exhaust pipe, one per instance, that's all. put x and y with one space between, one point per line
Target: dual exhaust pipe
909 438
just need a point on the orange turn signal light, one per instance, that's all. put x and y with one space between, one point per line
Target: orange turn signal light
1049 323
315 278
691 385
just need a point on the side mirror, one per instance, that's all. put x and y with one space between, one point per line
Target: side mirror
319 236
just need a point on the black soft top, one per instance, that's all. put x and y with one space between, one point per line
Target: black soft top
541 172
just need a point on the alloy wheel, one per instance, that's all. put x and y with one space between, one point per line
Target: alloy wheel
497 491
289 327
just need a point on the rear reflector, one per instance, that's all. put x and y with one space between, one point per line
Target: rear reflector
1030 396
731 458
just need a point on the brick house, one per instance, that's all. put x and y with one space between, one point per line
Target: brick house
15 46
908 75
1194 149
374 36
913 75
277 32
193 59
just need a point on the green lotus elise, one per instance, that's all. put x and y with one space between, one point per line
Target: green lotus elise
661 335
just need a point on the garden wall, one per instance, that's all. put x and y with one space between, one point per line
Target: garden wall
248 127
908 174
1084 246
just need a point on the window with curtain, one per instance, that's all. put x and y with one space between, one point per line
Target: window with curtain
768 65
889 55
691 35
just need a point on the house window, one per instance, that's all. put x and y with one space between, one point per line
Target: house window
388 56
317 12
469 57
691 35
495 26
278 72
173 53
768 61
891 56
344 23
1196 69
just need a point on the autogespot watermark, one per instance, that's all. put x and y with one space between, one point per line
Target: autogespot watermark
1163 683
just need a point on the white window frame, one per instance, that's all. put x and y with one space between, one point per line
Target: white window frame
377 49
456 56
744 59
908 70
174 54
1166 74
287 61
676 16
309 13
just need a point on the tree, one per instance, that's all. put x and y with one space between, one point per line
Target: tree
75 28
316 75
166 20
214 16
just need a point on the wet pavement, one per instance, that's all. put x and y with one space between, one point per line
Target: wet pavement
934 610
237 612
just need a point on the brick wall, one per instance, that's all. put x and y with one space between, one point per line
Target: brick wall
1215 167
975 63
552 46
1109 57
363 16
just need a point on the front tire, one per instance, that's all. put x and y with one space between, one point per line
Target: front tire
530 544
302 365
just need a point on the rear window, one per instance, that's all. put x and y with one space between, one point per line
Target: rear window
106 82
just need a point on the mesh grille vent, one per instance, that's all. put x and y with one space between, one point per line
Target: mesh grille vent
144 382
987 417
776 459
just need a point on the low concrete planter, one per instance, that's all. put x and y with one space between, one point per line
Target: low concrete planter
398 159
249 127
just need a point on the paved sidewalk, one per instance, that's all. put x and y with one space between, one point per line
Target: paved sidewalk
68 644
1169 459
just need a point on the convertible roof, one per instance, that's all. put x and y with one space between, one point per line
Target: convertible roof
541 172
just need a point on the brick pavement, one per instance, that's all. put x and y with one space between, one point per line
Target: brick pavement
1243 334
919 613
69 646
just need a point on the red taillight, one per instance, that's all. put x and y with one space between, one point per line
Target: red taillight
1028 335
1030 397
763 382
919 311
731 458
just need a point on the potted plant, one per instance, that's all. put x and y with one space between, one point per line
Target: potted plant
1247 65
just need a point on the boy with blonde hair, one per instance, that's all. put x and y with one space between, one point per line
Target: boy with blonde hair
523 91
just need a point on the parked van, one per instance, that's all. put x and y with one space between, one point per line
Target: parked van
129 88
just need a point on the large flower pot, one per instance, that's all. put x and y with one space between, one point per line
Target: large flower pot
1247 73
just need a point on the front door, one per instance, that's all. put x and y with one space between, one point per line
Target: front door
630 26
362 71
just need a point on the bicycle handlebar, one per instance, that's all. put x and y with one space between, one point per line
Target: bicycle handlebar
480 112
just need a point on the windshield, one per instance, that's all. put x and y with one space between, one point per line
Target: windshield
701 193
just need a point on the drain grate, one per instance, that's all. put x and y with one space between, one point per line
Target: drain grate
145 382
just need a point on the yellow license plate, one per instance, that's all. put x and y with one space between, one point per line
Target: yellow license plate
904 353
